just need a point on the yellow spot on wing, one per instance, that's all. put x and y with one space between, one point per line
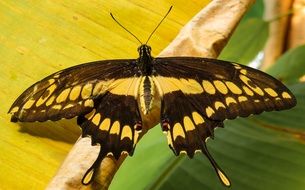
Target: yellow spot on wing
170 84
230 100
243 71
68 106
258 91
137 85
197 118
45 96
135 138
88 176
286 95
89 103
63 95
51 81
40 101
165 86
219 76
178 131
156 82
115 129
57 107
245 79
242 98
75 92
188 124
50 101
209 111
192 86
90 115
255 88
14 109
237 66
29 104
104 126
126 133
169 139
208 87
219 104
233 88
271 92
125 86
248 91
86 91
51 88
57 75
220 86
96 119
98 88
102 86
223 178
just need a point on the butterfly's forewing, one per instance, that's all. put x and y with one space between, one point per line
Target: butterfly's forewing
222 90
197 94
70 92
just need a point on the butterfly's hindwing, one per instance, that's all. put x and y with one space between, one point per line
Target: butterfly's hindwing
114 123
70 92
187 129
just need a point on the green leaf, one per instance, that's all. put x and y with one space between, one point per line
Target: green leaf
253 155
290 66
247 41
256 11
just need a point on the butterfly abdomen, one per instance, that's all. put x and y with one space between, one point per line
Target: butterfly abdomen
146 94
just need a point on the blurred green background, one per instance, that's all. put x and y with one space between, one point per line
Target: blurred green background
38 38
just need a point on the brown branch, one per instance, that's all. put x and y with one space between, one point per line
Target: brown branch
276 42
296 35
205 36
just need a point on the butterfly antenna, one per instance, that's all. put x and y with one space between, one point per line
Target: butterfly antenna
159 24
125 28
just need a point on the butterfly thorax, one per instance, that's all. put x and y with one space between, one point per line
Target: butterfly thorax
146 88
145 60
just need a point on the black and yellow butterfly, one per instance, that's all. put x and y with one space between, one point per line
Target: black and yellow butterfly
108 98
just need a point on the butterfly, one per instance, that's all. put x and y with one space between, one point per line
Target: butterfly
110 97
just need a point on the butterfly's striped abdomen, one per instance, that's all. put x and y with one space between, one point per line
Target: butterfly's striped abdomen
147 91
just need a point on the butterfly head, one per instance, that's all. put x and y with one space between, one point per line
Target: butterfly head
144 50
